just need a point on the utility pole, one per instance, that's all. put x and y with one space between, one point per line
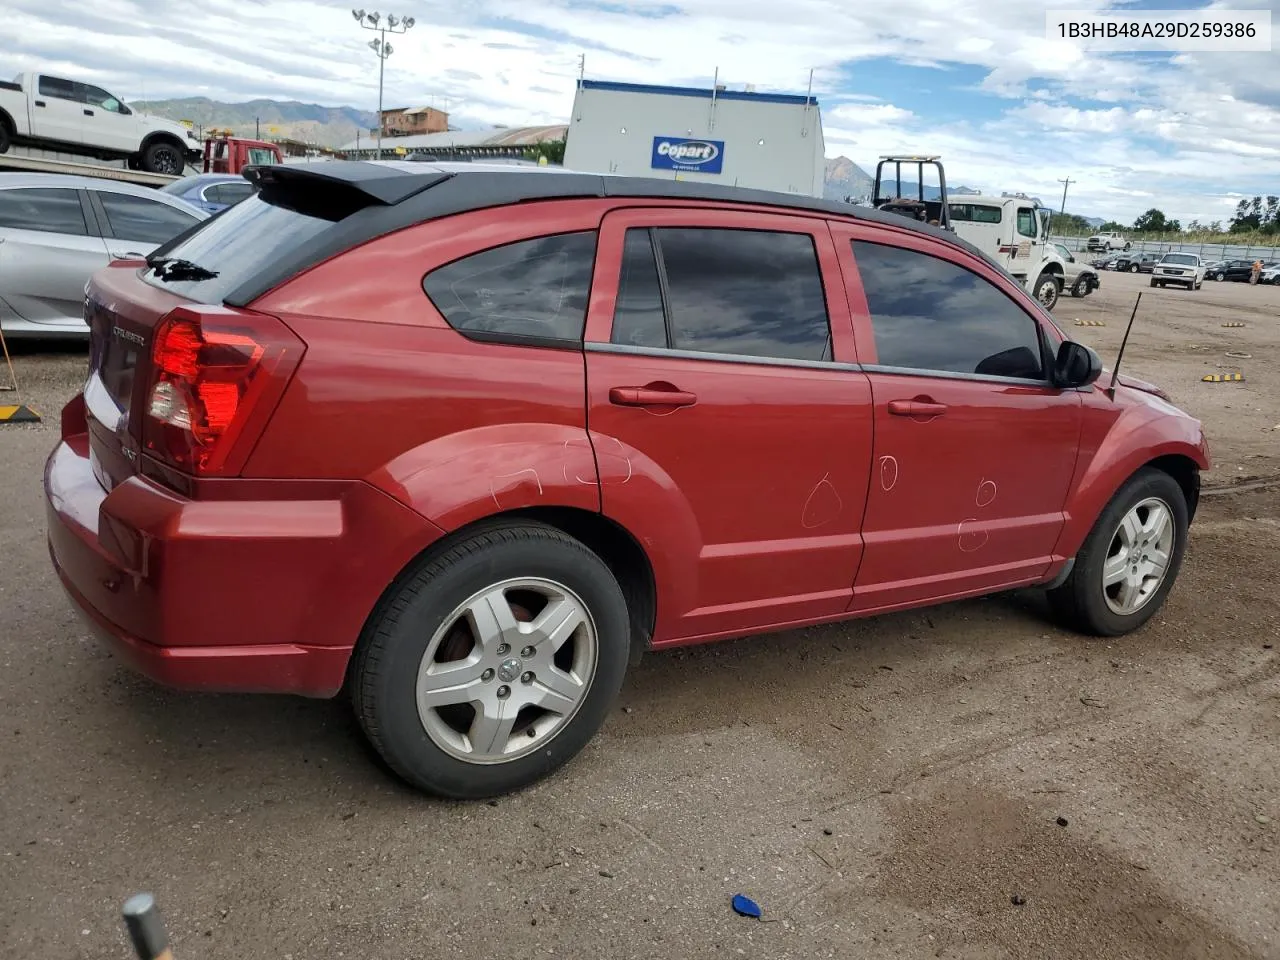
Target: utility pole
1065 183
382 25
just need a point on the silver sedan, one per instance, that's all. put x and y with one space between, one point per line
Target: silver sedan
57 230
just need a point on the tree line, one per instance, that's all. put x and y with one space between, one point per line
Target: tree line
1256 220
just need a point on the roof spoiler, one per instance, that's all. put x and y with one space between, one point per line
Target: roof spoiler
376 183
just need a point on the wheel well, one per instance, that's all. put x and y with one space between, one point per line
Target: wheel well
613 544
162 137
6 121
1187 474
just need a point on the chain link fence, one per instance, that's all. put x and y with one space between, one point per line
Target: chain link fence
1206 251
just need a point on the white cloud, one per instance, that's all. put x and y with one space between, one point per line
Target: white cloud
1177 133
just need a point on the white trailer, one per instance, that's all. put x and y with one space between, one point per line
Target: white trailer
766 141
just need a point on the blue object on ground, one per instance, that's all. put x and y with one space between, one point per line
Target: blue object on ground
745 906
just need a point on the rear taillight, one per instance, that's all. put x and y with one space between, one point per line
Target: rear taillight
217 375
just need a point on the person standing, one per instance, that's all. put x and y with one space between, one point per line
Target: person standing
1256 271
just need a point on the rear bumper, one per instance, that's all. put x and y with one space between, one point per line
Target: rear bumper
256 594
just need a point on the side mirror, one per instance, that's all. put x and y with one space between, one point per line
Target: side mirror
1075 365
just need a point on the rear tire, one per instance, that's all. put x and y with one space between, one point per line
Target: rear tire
1154 283
458 745
1125 546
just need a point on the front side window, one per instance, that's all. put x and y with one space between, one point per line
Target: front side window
261 156
100 98
532 288
42 209
144 220
931 314
750 293
1027 222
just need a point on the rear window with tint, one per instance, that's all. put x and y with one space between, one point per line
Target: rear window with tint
238 243
532 289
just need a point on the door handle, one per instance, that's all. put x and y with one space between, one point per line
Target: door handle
128 255
916 408
88 113
650 397
39 103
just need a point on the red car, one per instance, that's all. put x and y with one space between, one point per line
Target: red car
466 441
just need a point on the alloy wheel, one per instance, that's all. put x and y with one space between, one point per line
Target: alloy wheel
507 670
1138 557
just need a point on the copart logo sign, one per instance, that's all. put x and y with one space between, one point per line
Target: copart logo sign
690 156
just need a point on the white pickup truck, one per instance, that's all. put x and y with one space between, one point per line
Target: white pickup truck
1106 242
1015 232
42 110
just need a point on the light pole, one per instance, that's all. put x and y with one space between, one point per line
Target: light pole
390 24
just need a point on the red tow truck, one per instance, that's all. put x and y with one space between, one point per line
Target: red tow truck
224 153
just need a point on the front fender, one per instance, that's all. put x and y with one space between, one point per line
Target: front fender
462 477
1117 440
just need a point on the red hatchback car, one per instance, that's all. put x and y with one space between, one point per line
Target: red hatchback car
466 441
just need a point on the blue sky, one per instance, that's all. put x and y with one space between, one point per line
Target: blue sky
973 80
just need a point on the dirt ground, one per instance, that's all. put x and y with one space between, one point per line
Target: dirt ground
884 789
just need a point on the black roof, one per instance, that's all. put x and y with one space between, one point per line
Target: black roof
368 199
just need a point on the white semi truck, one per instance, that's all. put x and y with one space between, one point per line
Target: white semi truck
1013 231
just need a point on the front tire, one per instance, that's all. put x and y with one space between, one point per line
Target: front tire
1081 287
6 137
1046 290
1219 276
162 157
493 663
1129 561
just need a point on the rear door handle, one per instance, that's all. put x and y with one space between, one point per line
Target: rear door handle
39 103
916 408
650 397
88 113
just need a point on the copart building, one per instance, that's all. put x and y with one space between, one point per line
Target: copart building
768 141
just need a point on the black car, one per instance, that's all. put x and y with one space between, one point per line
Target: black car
1230 270
1136 262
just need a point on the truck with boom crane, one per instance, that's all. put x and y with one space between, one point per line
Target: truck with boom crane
1013 231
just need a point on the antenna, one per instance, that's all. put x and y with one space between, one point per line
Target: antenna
1115 371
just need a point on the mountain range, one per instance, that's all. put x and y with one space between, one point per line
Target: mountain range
846 179
308 122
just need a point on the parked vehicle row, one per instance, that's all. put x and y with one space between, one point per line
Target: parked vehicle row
466 440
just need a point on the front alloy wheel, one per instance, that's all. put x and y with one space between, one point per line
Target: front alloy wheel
1138 557
1130 559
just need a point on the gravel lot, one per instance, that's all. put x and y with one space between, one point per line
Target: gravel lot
884 789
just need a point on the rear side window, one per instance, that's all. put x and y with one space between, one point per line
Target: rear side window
931 314
749 293
144 220
638 320
49 211
532 289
